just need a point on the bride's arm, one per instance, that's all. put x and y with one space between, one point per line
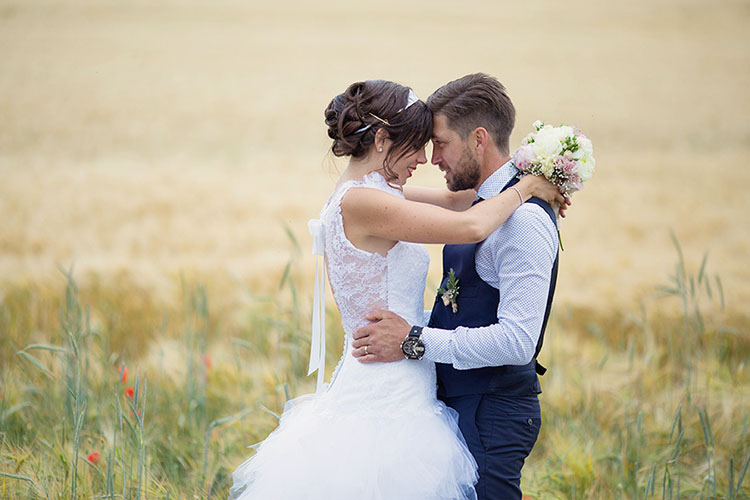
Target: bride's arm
370 212
442 197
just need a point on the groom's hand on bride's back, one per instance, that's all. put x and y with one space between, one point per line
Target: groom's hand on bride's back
380 341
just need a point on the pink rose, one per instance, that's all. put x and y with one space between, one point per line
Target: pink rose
572 184
524 157
566 165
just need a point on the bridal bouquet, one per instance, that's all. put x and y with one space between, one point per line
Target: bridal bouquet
561 154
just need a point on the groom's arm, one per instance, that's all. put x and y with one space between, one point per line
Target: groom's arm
519 256
517 259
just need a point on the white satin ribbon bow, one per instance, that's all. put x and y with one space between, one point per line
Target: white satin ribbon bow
318 343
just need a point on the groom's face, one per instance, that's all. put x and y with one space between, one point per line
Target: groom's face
454 157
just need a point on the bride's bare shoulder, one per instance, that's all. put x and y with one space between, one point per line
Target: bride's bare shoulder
363 200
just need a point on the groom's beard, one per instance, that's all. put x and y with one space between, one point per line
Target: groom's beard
466 174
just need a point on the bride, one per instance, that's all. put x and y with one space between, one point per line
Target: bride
377 431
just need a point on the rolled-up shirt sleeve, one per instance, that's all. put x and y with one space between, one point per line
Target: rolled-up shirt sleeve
516 259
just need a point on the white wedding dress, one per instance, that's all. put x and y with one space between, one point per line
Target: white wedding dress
377 432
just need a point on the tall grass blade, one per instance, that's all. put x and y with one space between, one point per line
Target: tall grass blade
270 412
668 290
741 478
676 421
38 364
245 344
45 347
676 243
120 418
651 483
17 476
701 272
285 274
80 415
13 409
141 444
292 239
636 465
109 482
708 437
676 450
666 487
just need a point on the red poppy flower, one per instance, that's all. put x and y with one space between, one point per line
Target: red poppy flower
94 458
123 373
207 361
130 392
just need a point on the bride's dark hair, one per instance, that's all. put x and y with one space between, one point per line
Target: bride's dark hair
354 117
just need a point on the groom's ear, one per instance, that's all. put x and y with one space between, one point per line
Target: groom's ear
479 140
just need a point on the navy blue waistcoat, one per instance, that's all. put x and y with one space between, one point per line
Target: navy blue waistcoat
478 303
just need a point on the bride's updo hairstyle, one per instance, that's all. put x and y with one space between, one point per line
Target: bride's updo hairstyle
354 117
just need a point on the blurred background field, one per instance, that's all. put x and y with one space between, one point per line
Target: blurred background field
167 150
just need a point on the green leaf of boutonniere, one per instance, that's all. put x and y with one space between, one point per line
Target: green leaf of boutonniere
449 294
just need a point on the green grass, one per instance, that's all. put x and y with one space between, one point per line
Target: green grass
636 405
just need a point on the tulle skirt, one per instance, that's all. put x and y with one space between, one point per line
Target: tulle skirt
323 451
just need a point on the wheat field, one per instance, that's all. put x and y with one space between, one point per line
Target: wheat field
157 137
154 146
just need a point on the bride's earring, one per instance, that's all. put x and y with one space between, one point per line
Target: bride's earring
380 150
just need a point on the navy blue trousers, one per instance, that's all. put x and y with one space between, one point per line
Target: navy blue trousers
500 432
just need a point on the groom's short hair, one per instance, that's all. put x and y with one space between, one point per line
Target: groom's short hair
476 100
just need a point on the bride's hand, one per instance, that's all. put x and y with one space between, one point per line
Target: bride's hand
539 187
560 209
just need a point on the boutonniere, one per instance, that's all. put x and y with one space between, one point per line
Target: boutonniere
449 294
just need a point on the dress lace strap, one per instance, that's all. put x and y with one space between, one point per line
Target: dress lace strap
318 341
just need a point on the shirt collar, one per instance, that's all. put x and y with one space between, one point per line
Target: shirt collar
497 181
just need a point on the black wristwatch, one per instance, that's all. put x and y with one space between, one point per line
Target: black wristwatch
412 346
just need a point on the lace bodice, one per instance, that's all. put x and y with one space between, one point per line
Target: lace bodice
362 281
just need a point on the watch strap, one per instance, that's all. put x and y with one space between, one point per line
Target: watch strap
415 332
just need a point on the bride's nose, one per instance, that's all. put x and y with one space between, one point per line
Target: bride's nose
421 157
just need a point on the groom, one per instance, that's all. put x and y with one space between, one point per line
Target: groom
485 338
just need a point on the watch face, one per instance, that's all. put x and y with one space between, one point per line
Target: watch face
413 348
419 349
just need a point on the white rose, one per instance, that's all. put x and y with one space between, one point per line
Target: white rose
584 143
566 131
586 168
547 143
537 124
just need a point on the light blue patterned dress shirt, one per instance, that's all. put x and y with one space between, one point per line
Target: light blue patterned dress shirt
516 259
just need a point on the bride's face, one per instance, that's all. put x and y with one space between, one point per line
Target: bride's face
404 167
